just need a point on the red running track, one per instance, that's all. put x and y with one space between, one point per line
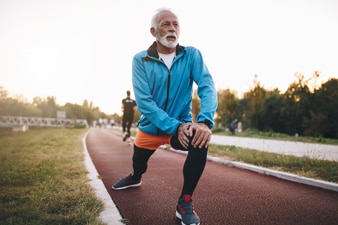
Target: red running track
225 195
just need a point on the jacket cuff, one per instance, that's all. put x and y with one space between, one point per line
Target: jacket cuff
207 122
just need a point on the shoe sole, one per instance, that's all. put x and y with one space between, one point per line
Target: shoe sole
178 215
125 187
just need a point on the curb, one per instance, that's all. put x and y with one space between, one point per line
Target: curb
110 214
282 175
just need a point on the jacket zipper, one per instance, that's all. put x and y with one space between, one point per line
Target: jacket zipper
168 90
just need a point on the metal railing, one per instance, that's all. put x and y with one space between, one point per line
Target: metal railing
17 121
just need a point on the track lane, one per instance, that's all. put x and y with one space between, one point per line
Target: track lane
225 195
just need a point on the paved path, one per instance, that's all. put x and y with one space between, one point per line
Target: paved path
225 195
318 151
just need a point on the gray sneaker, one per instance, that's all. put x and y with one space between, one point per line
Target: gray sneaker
126 182
185 211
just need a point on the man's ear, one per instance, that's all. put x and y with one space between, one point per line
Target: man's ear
153 31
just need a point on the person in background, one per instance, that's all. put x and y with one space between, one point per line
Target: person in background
233 126
128 108
163 78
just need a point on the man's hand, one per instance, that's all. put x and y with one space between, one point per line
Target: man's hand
202 134
183 134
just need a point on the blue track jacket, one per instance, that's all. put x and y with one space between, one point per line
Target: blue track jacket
164 97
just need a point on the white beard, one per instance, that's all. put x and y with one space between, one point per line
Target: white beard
163 40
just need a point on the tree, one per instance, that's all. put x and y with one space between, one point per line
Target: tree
254 100
324 116
195 107
298 100
47 106
227 107
14 107
3 93
272 115
317 125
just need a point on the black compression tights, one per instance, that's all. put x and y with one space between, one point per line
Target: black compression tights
192 169
140 161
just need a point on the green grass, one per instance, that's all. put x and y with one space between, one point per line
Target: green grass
43 179
303 166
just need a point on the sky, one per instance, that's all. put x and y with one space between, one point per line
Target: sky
78 50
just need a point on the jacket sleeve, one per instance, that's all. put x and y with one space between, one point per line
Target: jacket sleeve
205 88
145 103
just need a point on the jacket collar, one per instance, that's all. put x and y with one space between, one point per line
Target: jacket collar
152 50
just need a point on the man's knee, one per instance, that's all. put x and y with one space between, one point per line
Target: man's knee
175 143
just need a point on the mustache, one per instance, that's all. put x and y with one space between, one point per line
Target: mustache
170 34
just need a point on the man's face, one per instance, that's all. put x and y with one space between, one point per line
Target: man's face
167 31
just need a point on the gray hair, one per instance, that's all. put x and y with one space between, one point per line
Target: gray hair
157 13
